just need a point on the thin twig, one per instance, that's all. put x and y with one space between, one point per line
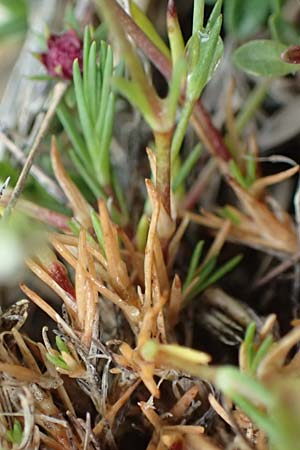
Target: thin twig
58 92
278 270
204 177
44 180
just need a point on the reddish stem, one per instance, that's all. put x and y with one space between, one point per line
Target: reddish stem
201 120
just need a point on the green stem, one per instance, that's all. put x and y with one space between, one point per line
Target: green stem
253 102
181 128
163 166
198 15
110 12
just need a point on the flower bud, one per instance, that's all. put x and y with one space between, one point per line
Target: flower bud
63 49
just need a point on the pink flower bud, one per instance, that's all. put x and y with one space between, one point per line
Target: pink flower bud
291 55
63 49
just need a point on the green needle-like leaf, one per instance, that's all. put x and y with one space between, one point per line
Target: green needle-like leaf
91 76
98 229
83 111
193 264
187 166
223 270
105 91
146 25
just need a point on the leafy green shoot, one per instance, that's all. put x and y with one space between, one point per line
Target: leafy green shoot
200 277
95 104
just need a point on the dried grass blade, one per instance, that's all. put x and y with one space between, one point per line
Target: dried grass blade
151 415
218 242
274 360
181 406
131 312
149 251
176 240
80 279
45 277
111 415
175 302
44 306
117 271
80 207
91 306
161 268
277 234
21 373
263 182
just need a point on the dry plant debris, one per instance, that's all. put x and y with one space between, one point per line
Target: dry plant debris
143 301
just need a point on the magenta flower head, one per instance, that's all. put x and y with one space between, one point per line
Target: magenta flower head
62 50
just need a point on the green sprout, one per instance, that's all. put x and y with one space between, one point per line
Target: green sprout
15 435
56 358
245 180
200 277
255 353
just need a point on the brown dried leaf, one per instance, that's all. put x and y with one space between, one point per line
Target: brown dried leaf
80 207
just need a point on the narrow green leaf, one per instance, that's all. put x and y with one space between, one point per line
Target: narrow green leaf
181 128
250 169
214 15
57 361
148 28
105 91
104 144
120 194
61 345
227 213
222 271
175 36
251 105
187 166
103 53
41 78
84 116
261 353
249 343
203 276
98 229
262 58
133 93
236 173
142 232
86 52
208 42
198 16
67 121
87 176
260 418
176 82
74 226
196 256
234 383
91 96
